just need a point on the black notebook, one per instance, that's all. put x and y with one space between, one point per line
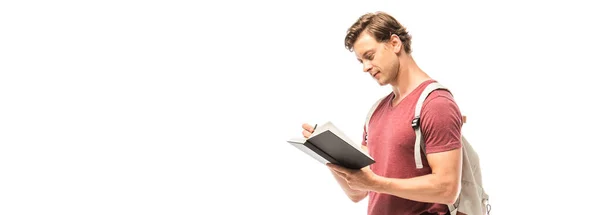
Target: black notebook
328 144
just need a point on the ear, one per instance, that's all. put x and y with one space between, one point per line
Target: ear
396 43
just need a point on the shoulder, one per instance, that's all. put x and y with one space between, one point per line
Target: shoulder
439 99
441 104
441 122
439 96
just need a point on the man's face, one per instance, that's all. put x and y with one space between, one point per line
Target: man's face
378 59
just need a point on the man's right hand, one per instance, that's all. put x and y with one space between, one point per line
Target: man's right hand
307 130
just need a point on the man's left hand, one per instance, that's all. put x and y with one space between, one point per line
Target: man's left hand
363 179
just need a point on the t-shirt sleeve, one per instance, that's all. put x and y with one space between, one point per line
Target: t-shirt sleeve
441 123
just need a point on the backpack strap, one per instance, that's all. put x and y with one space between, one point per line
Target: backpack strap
416 122
371 114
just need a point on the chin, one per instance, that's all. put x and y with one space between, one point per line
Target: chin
381 82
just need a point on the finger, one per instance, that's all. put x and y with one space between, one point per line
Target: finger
340 174
308 127
306 134
337 172
336 168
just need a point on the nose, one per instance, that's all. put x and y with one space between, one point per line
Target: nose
367 66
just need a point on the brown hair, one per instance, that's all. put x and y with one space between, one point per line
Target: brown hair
381 26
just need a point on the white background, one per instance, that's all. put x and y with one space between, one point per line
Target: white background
180 107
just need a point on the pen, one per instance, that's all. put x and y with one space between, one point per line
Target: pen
315 128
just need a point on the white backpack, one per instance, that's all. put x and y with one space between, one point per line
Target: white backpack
473 200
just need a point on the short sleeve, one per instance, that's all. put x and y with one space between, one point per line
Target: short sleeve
441 122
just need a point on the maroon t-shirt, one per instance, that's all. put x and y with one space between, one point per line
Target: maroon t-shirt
391 142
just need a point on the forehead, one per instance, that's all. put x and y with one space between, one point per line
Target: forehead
364 43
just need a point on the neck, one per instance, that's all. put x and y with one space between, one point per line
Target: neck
408 78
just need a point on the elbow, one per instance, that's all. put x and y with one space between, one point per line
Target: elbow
450 193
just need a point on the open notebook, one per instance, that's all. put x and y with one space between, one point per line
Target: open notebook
328 144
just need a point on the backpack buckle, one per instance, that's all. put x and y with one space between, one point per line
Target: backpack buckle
416 122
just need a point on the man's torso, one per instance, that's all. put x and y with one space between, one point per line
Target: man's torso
391 143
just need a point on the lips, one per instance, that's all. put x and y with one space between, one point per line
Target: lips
375 74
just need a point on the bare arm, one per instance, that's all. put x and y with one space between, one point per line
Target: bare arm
441 186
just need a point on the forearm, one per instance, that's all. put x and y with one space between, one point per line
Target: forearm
354 195
428 188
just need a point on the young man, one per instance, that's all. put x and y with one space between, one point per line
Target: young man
393 184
